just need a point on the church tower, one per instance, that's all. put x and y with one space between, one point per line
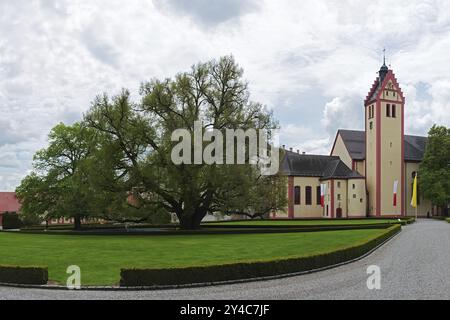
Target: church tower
384 118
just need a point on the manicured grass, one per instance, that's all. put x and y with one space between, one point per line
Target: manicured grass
101 257
304 222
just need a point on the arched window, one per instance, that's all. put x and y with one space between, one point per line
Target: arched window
297 195
308 196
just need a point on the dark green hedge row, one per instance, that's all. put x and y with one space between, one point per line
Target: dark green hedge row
239 271
213 231
306 226
23 275
306 219
88 227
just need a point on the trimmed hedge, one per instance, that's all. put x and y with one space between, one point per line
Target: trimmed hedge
305 226
23 275
213 230
240 271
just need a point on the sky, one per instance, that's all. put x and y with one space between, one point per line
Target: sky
312 62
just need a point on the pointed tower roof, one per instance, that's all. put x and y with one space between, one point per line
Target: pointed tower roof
383 77
384 69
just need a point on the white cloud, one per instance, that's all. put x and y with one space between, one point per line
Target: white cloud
311 61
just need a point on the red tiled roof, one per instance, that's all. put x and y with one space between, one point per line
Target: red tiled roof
9 202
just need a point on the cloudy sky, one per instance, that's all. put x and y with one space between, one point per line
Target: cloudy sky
310 61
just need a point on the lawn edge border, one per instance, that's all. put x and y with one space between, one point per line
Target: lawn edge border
205 284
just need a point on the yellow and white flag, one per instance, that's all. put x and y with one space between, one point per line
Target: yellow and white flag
414 195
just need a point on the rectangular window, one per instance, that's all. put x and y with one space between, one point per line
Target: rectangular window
354 186
339 197
354 196
394 111
297 195
371 113
371 125
318 202
388 110
339 184
308 196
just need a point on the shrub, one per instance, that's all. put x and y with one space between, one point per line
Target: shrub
23 275
238 271
11 220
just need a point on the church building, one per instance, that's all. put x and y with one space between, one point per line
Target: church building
368 173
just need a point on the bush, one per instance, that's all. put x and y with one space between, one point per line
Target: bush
239 271
11 220
30 220
23 275
448 220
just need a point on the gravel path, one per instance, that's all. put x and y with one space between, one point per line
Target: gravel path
414 265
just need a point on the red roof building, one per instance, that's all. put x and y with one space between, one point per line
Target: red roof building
8 203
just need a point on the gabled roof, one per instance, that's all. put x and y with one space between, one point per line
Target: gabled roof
355 143
324 167
379 85
9 202
415 147
337 169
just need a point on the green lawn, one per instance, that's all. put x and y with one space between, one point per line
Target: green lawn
101 257
303 222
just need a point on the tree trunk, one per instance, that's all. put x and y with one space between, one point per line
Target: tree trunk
191 221
77 222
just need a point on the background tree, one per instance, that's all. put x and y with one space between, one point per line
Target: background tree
434 173
58 187
137 142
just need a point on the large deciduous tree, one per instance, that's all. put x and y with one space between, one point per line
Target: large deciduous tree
137 145
434 173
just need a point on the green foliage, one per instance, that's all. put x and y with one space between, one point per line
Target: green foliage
58 186
11 220
136 147
116 164
434 173
23 275
248 270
